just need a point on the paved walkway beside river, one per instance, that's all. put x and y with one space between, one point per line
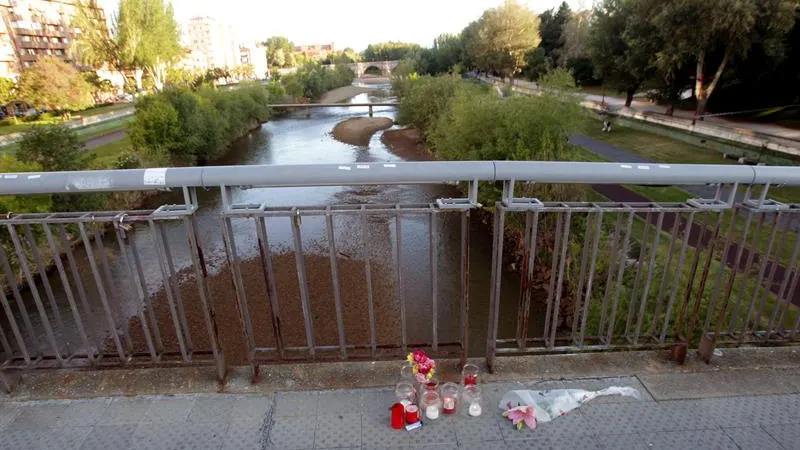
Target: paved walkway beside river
667 416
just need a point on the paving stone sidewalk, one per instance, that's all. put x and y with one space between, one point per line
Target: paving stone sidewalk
359 418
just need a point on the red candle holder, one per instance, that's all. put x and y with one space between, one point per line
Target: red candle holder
412 414
470 374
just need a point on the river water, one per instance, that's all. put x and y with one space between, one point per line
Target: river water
302 138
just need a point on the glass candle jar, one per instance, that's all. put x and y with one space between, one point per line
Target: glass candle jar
471 401
449 393
431 405
405 393
407 372
470 374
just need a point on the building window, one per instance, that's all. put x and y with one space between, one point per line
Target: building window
26 38
27 64
59 52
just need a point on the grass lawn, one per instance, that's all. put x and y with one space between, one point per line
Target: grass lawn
656 148
103 109
106 155
101 129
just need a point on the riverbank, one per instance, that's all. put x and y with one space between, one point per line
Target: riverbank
359 130
407 143
344 93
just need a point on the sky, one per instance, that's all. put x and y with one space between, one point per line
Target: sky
346 23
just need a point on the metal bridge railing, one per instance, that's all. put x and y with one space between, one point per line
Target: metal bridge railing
333 281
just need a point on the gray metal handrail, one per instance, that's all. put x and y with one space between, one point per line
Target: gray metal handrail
392 173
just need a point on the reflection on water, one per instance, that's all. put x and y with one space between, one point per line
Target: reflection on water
301 138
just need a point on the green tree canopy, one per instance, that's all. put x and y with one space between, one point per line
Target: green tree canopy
500 38
54 148
278 49
712 33
390 51
8 90
144 37
553 24
55 84
623 45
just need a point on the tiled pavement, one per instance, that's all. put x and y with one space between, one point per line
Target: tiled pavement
359 418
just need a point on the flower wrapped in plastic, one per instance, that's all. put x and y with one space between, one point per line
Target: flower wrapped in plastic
532 407
423 367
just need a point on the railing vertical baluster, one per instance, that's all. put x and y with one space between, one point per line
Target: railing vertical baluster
560 282
637 277
789 297
167 285
522 318
780 304
651 267
201 280
242 306
553 276
5 344
102 292
464 322
771 279
759 281
613 256
23 310
587 298
35 292
527 277
48 290
397 249
269 282
337 297
73 268
137 262
434 260
68 291
136 291
579 297
15 327
175 285
676 278
676 217
753 249
704 278
368 279
106 271
302 279
498 231
623 256
718 279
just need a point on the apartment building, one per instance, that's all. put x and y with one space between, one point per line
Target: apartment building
254 54
215 41
30 29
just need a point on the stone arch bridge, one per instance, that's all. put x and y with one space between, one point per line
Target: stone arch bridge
386 67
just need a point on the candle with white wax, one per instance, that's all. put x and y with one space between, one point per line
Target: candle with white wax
432 412
475 409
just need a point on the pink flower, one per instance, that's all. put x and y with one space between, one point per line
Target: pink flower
421 378
419 356
522 414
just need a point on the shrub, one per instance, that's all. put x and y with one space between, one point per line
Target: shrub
53 147
312 80
184 127
425 99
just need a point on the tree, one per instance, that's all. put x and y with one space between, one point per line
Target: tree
623 44
390 51
144 37
502 36
54 148
8 90
278 48
55 84
551 31
713 33
536 64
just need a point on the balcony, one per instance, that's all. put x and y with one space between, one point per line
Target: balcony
258 280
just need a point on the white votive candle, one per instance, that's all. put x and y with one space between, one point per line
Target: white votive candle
474 409
432 412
